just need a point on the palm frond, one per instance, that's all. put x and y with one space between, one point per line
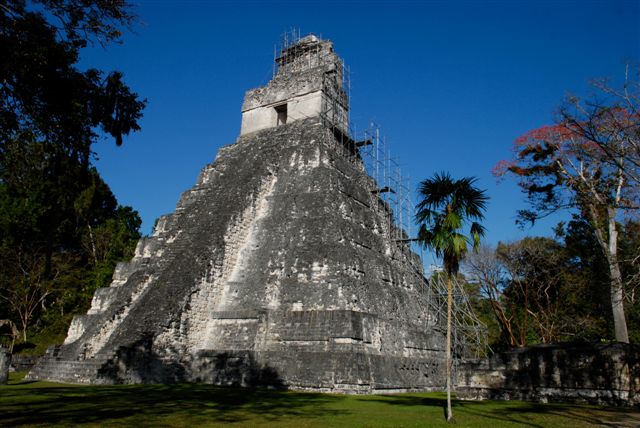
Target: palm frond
445 207
452 221
477 229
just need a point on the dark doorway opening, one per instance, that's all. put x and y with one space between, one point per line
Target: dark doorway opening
281 111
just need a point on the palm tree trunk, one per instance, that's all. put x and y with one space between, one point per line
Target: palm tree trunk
449 360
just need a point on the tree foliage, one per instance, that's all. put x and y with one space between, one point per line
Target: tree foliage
61 229
536 283
587 161
445 206
542 290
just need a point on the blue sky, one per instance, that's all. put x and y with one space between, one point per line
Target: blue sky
452 84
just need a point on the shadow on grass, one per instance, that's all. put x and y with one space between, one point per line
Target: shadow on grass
179 404
409 400
518 412
576 415
70 405
27 382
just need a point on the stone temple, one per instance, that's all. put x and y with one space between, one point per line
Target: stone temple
279 267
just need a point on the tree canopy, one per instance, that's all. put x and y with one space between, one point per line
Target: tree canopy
445 206
587 161
544 290
61 228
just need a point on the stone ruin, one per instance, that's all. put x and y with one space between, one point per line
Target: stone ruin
279 267
5 363
601 373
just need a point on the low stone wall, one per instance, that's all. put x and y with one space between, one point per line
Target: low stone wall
580 373
5 361
23 363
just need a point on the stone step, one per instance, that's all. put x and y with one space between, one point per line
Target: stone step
73 371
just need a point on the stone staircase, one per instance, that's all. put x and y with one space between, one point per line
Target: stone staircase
76 371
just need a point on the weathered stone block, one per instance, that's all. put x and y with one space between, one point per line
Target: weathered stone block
599 374
5 363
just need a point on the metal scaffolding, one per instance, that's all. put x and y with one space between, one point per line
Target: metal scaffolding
390 189
469 334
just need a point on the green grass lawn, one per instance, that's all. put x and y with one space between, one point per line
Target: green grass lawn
44 403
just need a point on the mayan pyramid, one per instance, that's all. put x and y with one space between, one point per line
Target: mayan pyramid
279 267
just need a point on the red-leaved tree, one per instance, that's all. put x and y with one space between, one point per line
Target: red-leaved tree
588 161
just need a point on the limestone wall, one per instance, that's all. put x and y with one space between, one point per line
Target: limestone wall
22 363
598 374
298 108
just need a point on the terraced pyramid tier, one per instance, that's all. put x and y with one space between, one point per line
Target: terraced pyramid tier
276 268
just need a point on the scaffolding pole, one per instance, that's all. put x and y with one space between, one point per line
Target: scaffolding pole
389 189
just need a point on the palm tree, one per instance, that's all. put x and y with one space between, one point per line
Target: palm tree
447 205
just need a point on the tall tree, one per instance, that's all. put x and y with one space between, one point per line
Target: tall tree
586 161
51 112
43 96
51 115
590 271
445 208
